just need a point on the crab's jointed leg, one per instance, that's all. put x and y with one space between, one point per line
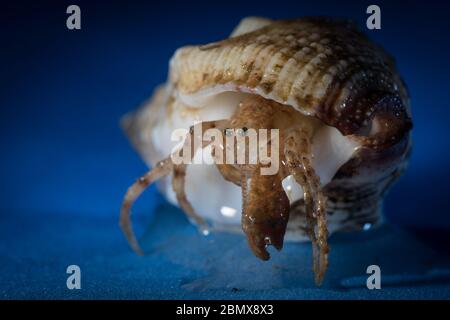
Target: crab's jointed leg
298 158
162 169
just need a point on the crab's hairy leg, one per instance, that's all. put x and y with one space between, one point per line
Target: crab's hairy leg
162 169
178 184
294 167
298 157
230 173
179 172
244 189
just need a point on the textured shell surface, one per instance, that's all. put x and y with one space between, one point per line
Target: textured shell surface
321 67
326 70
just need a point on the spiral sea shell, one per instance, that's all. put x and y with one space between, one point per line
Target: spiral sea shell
323 70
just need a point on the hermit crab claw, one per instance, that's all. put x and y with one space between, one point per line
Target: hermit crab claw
265 213
261 235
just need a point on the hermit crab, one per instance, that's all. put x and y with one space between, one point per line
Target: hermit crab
332 99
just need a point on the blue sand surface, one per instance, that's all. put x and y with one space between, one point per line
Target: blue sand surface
182 264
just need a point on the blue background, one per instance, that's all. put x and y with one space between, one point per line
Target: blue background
65 164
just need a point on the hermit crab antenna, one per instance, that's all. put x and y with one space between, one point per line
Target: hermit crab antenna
162 169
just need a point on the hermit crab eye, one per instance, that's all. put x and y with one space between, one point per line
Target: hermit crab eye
242 131
228 132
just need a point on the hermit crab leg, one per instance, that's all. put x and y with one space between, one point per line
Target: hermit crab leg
179 172
298 153
244 190
178 182
162 169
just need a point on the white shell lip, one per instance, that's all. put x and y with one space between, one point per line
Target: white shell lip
200 98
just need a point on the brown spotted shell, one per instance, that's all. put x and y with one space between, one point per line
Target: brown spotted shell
321 67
